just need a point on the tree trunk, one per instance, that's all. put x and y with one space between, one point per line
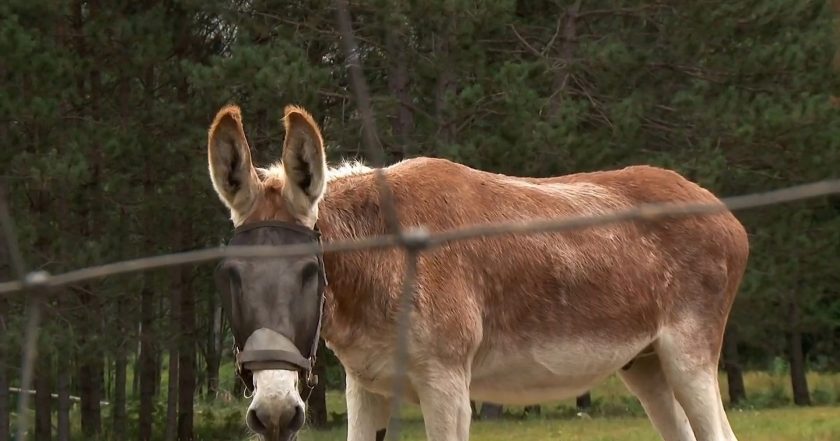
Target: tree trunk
172 388
135 379
187 334
147 363
186 355
89 390
583 402
158 365
567 53
4 360
200 374
398 82
358 83
43 398
318 400
149 349
64 353
5 356
490 411
732 365
119 379
90 368
108 377
214 349
445 83
172 397
799 382
64 404
118 404
4 399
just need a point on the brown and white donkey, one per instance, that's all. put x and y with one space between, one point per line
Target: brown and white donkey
513 319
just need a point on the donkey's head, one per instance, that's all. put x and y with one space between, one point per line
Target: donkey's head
274 305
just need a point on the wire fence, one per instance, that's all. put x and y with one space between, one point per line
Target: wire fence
414 241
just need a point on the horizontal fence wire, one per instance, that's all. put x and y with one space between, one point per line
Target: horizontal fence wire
419 236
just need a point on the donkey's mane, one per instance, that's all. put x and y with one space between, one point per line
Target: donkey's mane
347 168
344 169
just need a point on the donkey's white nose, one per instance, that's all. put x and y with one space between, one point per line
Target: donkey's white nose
276 407
266 419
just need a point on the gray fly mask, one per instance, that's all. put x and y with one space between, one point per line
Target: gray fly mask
274 305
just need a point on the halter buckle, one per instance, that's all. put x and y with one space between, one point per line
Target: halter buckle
311 377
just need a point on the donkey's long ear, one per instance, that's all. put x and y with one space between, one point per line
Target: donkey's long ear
229 155
304 162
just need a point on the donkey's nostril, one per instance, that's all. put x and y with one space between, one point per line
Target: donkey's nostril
267 419
254 422
297 420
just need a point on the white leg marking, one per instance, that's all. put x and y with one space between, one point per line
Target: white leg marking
724 420
693 376
445 402
367 412
647 381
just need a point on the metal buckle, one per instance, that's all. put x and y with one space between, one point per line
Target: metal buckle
311 377
237 369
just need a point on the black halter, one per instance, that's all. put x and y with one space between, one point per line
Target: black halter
290 342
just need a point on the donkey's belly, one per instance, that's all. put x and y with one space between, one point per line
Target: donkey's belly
546 371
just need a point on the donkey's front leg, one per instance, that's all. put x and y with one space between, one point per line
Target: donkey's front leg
445 403
367 412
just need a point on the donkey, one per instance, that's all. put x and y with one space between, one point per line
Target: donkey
507 319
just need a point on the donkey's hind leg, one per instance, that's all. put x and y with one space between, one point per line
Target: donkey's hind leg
689 360
646 380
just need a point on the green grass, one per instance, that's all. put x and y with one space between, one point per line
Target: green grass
616 415
612 399
784 424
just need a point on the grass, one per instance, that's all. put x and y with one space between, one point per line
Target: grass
783 424
767 415
611 398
